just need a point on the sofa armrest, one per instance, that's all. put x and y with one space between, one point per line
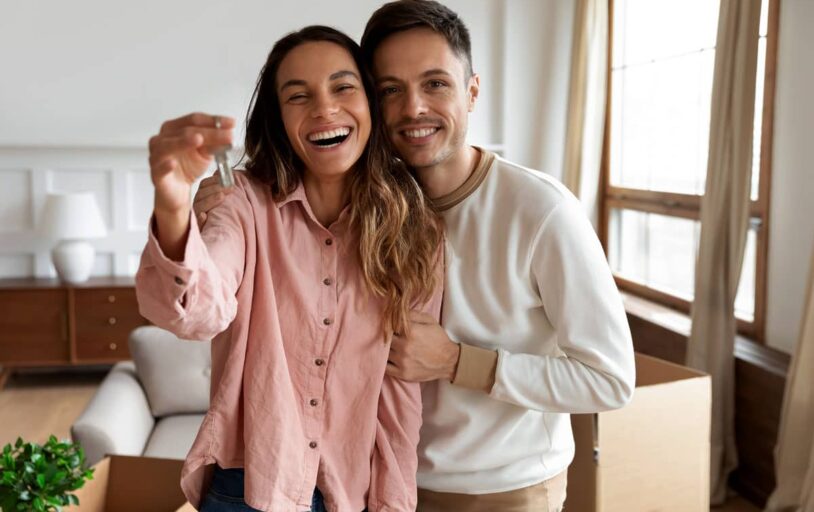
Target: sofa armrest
117 419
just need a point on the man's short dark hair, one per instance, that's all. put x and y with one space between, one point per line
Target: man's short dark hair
401 15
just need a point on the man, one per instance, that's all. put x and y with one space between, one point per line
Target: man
533 326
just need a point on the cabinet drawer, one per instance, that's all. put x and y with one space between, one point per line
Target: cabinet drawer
33 326
104 319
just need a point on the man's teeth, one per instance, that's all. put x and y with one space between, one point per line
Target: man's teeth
423 132
330 134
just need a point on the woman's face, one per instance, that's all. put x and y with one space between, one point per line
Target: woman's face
324 107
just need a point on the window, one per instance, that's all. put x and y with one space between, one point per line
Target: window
656 136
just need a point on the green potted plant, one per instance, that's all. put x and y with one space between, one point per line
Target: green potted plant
36 478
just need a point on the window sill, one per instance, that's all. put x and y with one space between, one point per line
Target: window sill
678 322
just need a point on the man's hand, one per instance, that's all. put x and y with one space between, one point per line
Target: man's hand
426 354
210 194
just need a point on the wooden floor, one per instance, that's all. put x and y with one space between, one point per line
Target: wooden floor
36 405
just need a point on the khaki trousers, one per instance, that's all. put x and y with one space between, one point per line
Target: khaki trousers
547 496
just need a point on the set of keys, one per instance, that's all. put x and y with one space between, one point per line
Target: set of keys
227 178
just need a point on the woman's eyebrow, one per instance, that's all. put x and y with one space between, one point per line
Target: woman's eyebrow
292 83
343 73
334 76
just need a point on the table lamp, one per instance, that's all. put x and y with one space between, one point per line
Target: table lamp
72 218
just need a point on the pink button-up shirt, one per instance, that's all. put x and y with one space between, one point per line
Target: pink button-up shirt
299 395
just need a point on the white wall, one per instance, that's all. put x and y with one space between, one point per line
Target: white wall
792 203
100 73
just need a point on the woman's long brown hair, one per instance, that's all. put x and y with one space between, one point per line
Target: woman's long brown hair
399 231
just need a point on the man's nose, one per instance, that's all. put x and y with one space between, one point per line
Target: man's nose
414 105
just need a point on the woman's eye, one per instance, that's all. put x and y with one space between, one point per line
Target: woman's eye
387 91
345 88
296 98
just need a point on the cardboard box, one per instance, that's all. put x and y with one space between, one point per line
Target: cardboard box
132 484
652 455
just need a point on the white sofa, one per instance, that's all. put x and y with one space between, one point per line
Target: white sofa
152 405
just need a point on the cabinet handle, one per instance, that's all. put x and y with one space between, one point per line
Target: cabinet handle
113 346
111 298
112 320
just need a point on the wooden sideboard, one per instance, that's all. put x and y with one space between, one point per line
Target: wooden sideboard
44 322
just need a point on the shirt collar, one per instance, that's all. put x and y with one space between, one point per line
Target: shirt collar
298 195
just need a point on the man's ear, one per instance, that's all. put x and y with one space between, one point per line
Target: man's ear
474 89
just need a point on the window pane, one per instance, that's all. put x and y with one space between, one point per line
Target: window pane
660 252
756 139
660 124
663 62
655 250
745 300
645 30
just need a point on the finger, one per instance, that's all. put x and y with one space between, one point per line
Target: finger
212 139
210 190
201 218
420 317
162 147
207 203
210 182
393 371
198 119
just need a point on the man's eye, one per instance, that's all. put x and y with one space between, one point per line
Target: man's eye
436 84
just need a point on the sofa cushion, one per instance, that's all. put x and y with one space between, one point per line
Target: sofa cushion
173 436
174 372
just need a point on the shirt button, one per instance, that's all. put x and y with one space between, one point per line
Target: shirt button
312 444
327 281
328 241
314 402
178 280
327 321
319 362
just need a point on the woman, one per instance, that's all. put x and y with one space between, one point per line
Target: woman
318 253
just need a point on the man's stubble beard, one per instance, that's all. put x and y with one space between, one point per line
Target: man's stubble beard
447 152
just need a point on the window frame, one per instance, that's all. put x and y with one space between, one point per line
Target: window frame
688 206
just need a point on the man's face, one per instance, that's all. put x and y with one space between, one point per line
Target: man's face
426 94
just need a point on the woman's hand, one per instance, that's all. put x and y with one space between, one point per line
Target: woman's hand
210 194
179 154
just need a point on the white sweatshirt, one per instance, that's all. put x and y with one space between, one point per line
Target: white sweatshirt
527 281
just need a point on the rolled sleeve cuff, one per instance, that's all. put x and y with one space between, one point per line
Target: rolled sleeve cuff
184 271
476 368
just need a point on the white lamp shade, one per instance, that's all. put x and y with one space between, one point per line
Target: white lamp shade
73 215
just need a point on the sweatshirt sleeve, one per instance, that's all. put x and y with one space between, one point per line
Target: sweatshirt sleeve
195 298
580 299
394 463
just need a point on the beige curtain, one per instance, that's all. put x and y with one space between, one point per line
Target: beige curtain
794 455
586 104
724 221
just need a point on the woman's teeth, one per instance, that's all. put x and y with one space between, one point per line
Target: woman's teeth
329 138
422 132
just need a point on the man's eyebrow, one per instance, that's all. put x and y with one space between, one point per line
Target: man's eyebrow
386 78
425 74
436 71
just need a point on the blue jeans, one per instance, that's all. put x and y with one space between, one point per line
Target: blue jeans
226 494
